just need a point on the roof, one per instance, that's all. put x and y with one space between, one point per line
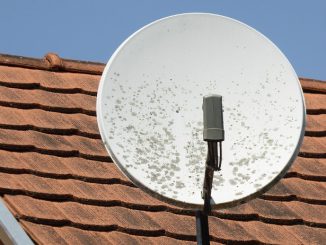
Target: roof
61 185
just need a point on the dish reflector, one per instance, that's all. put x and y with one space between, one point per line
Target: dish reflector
149 109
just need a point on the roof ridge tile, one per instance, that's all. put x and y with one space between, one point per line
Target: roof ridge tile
53 62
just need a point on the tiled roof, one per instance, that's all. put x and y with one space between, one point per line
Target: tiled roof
58 180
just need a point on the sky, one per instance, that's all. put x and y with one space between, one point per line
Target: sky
92 30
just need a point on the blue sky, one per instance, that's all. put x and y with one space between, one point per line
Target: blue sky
92 30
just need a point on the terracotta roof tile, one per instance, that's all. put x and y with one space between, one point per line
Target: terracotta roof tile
39 99
313 86
59 82
313 147
54 123
315 103
71 235
58 180
56 167
316 125
58 145
315 171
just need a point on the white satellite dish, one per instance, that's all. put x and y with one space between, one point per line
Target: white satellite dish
149 109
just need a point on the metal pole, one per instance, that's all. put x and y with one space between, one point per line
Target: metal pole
202 228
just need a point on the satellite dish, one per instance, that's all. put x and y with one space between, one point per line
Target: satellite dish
149 109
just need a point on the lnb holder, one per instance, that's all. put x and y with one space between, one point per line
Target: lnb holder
213 134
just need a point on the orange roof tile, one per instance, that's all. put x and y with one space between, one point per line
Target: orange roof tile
58 180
